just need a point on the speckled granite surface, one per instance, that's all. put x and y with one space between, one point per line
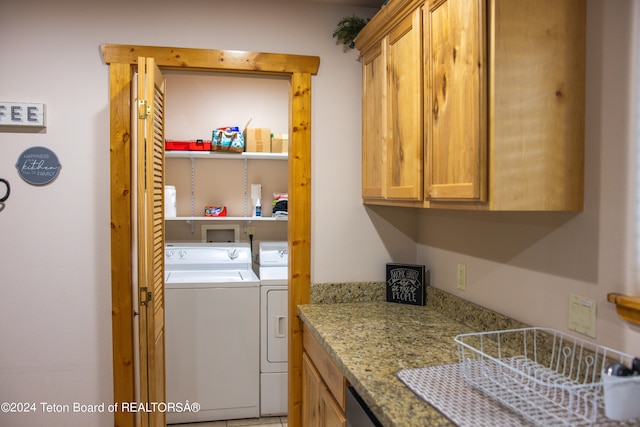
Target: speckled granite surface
468 313
371 340
331 293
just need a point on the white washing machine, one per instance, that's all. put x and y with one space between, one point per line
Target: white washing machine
274 278
212 327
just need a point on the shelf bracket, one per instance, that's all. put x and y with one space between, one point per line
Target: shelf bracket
628 308
193 195
246 186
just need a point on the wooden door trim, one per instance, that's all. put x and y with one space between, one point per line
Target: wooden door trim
299 68
233 61
122 318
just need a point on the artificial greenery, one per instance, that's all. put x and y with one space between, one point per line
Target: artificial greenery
348 28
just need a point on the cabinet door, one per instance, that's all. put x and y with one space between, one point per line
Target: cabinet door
311 386
332 415
456 100
405 142
374 123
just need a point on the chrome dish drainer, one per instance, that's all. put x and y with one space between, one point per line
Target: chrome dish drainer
550 378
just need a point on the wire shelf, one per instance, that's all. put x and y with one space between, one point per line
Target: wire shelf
550 378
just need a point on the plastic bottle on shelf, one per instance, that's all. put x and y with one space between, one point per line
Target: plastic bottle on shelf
169 201
258 208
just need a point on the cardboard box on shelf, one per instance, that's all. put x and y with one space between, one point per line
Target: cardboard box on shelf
258 140
280 143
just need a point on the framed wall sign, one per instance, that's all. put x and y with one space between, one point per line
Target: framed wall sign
22 114
38 165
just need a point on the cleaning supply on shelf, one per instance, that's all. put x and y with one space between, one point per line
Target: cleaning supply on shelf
170 201
258 208
256 195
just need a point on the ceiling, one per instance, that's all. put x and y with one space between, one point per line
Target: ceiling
363 3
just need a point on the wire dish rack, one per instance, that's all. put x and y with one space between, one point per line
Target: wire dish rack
550 378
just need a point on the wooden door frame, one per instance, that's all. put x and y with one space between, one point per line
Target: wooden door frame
121 60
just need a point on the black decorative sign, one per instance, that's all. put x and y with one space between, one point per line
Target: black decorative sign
406 284
38 165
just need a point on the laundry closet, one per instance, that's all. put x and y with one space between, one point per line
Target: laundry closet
144 175
222 206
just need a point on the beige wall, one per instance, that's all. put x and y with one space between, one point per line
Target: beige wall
525 265
54 240
55 308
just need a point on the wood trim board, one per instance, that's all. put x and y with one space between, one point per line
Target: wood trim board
121 60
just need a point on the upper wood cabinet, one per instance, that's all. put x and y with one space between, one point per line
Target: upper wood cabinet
455 97
404 105
374 128
503 93
393 142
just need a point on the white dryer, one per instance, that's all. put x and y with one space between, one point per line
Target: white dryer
274 278
212 326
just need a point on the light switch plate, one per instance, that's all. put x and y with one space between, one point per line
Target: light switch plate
582 315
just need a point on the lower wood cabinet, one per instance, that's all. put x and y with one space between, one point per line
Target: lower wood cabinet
323 387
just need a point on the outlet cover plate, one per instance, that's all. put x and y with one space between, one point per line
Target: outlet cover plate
582 315
462 277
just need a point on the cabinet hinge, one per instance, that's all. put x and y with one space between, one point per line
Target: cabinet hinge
144 109
145 296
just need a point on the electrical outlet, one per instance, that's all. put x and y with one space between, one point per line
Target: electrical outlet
251 230
582 315
462 277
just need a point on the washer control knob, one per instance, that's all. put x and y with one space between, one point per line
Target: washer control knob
182 254
169 254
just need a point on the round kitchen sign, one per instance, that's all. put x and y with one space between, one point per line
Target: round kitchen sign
38 165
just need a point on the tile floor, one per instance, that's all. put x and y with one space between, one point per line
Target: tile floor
251 422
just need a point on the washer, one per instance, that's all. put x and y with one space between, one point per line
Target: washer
212 324
274 280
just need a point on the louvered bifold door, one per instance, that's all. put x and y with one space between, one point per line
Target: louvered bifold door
150 217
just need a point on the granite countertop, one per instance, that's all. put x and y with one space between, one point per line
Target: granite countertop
371 341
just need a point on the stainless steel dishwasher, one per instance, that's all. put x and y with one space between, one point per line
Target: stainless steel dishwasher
358 413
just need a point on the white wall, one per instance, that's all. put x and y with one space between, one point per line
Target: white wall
54 240
525 265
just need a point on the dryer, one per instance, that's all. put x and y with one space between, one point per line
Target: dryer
274 279
212 326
